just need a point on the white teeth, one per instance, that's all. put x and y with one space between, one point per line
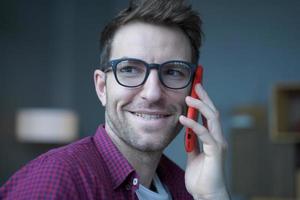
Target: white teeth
149 117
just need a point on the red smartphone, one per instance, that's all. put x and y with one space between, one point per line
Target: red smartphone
192 113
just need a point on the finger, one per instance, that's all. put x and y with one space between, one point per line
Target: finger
212 117
202 94
216 130
205 110
209 144
201 132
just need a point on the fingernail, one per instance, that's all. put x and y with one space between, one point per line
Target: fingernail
180 117
188 98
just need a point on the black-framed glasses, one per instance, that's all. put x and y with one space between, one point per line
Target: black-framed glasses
132 72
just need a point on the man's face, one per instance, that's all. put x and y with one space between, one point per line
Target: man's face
145 117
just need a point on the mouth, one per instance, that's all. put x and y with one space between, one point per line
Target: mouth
150 116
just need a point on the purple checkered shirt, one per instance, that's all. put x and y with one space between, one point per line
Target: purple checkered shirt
91 168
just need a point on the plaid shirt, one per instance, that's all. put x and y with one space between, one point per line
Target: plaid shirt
91 168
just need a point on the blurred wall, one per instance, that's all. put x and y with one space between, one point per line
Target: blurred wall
49 50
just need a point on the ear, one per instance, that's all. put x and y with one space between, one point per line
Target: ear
99 81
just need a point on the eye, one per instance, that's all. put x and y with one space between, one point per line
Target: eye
175 71
130 68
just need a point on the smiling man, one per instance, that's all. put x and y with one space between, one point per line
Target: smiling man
144 117
149 53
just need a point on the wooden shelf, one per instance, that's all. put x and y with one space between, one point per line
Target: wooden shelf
285 113
261 167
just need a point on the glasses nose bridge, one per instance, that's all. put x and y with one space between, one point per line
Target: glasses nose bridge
154 66
151 66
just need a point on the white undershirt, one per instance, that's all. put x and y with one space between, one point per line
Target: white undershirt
162 193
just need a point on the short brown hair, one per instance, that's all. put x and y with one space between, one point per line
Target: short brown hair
162 12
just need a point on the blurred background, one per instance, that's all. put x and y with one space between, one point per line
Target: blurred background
49 50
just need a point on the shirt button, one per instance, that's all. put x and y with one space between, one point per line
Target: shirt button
135 181
128 186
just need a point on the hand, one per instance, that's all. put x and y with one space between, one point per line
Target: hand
204 175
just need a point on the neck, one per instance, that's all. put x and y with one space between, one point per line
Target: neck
145 163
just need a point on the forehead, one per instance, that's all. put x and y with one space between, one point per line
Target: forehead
152 43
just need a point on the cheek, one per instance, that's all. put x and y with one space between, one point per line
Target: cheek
181 100
117 95
177 99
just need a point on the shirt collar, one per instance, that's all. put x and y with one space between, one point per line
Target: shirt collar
173 177
117 165
121 171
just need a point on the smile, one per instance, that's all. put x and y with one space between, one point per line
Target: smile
150 116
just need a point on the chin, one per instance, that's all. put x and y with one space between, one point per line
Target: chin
150 147
150 144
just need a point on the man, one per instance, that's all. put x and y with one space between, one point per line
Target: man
148 58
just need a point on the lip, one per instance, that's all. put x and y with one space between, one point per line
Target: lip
150 115
149 121
150 112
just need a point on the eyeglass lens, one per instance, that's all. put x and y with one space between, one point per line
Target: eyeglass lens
133 73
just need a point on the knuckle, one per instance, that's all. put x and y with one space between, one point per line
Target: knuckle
198 103
195 127
224 146
198 129
217 114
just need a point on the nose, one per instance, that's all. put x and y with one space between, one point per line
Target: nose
152 89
